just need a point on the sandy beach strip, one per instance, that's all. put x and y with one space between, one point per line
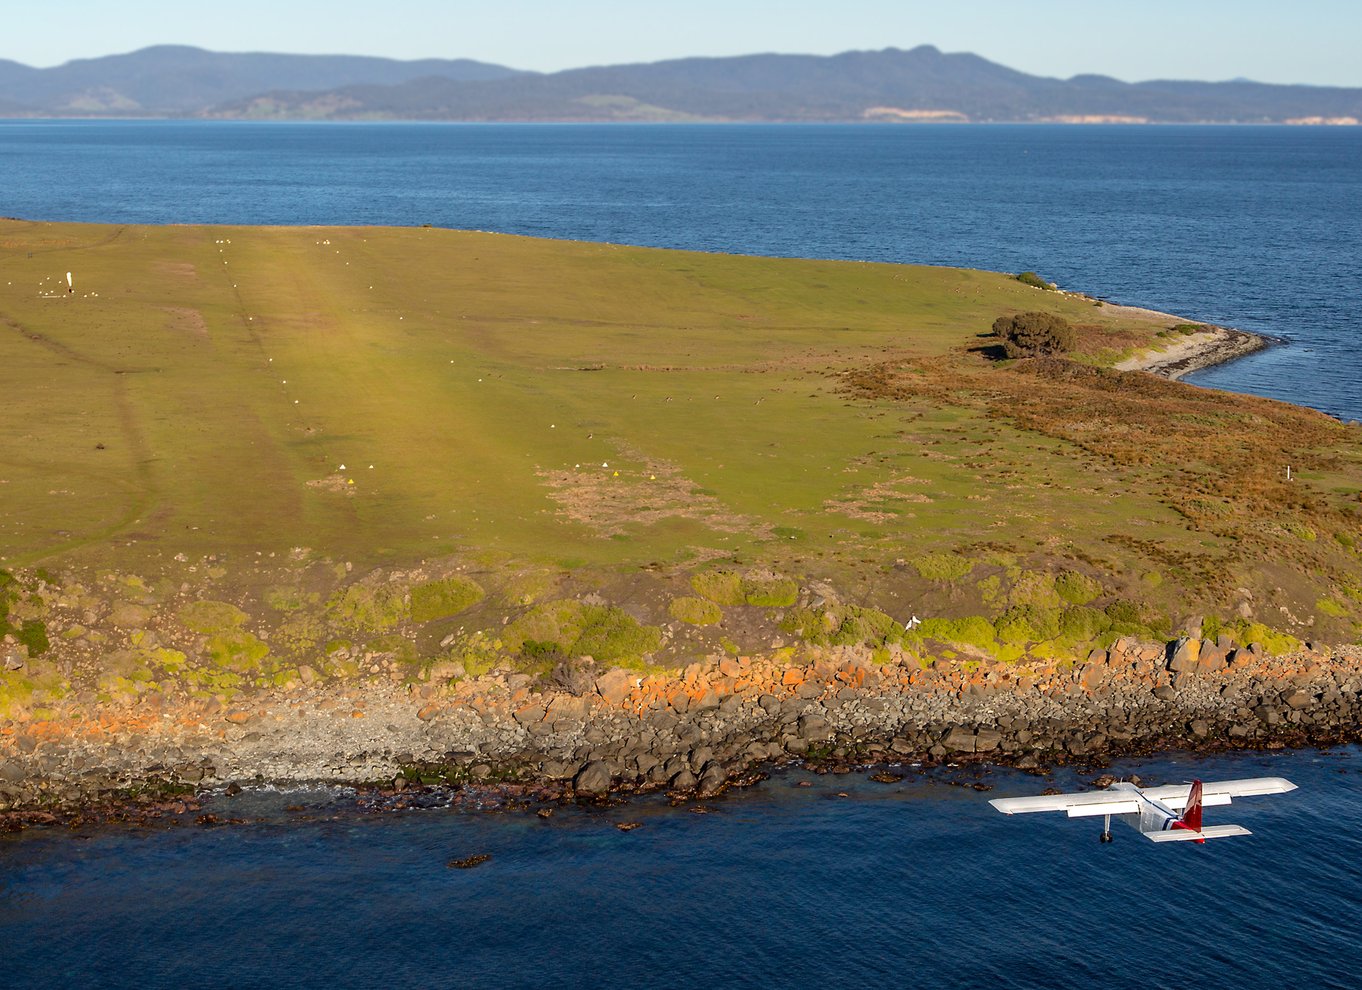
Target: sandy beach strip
1211 346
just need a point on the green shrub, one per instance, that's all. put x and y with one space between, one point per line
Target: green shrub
612 634
1034 334
1270 639
33 634
1187 329
769 592
1027 624
807 624
237 649
1081 624
1076 588
573 628
720 587
842 625
559 622
973 630
865 627
990 589
696 611
1129 618
368 608
1032 279
541 650
476 651
443 598
1035 588
947 567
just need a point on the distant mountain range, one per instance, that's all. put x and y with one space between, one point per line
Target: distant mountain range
923 84
178 81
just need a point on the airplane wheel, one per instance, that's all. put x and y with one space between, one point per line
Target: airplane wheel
1106 837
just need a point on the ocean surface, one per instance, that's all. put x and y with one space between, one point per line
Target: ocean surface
847 883
1254 227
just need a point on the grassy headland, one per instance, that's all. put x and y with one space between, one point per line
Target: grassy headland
438 447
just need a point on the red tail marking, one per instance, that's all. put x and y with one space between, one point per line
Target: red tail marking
1191 815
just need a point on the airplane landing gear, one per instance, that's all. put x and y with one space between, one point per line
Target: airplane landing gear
1105 837
1106 829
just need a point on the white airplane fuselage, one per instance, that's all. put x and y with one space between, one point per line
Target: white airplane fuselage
1153 816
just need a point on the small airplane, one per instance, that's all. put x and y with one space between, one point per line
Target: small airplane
1153 811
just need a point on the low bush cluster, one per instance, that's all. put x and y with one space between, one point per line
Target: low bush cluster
1034 334
1077 588
695 611
572 629
731 588
769 592
720 587
946 567
843 625
972 630
1034 280
368 608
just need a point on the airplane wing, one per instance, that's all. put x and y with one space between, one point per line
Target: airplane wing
1187 835
1074 805
1219 792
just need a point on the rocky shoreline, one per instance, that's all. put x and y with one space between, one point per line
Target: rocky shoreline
1204 349
692 733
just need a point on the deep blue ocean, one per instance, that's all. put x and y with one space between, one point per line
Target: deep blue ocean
846 884
918 884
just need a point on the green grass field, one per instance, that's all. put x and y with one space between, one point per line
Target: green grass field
588 410
200 389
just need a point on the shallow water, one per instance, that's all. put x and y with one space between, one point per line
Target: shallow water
917 884
1252 227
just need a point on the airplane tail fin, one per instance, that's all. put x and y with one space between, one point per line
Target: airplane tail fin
1191 815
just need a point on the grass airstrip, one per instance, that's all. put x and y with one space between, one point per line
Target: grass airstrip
384 397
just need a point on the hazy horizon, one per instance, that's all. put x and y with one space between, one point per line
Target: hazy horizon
1215 40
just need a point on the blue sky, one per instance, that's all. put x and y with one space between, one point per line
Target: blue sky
1310 41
